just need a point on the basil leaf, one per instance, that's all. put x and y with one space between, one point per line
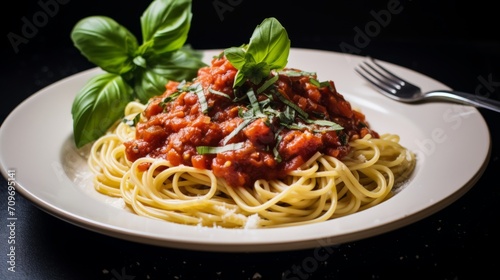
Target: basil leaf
165 25
269 43
256 72
105 43
148 84
236 55
179 65
98 105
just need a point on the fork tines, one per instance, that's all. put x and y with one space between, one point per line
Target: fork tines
379 76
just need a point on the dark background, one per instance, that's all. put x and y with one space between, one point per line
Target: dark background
455 42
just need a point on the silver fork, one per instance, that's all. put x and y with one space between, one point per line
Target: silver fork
401 90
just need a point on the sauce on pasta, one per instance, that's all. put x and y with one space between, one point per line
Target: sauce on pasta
178 122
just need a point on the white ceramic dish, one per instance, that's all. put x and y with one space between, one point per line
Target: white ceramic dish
36 141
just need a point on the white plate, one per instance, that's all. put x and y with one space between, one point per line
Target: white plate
36 141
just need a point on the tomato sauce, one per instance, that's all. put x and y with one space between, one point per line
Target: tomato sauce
178 122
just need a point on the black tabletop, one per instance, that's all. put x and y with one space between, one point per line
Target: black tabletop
455 43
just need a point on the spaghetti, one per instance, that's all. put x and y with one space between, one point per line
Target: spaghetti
334 179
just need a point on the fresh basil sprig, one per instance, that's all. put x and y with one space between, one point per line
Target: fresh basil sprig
267 50
132 70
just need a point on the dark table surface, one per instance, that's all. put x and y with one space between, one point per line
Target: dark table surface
455 43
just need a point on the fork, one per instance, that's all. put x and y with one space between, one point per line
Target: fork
401 90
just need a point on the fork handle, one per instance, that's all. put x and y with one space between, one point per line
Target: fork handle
467 98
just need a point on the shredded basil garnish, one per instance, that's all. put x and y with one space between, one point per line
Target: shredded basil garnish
220 93
237 130
253 102
203 150
296 73
291 104
268 83
198 89
171 97
133 121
